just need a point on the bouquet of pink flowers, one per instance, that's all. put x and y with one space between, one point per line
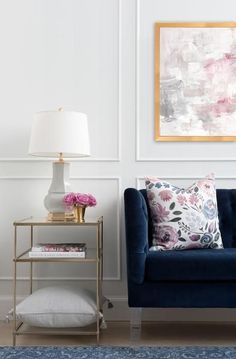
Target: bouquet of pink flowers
79 199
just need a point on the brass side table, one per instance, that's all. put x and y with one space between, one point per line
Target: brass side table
94 256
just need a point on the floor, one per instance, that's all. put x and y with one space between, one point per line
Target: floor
117 333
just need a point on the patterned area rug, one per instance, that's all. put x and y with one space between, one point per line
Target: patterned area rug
112 352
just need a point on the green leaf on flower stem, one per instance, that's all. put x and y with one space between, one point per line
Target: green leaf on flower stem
177 213
172 206
176 219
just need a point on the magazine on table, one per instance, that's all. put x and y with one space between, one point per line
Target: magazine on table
59 247
38 254
62 250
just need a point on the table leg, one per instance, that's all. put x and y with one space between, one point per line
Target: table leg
31 263
14 287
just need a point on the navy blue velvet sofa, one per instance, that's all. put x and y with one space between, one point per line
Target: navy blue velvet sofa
199 278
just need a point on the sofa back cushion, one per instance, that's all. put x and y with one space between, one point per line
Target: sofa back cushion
226 200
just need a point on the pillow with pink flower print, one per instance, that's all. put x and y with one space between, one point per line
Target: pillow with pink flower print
184 218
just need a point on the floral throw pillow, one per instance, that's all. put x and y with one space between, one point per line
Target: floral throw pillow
184 218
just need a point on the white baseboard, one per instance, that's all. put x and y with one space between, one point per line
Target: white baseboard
121 312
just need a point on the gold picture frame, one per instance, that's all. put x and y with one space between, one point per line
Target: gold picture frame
167 132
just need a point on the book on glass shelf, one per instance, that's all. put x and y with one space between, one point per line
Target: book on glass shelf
57 254
59 247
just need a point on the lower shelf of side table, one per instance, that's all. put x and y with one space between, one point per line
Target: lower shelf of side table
25 329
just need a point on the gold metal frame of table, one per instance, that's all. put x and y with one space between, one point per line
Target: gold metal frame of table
24 258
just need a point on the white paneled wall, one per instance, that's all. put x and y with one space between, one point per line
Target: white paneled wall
94 56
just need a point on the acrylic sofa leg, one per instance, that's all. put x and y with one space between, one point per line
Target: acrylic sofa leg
135 324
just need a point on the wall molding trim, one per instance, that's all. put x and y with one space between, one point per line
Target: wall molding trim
138 159
137 69
119 81
48 159
193 159
118 178
49 279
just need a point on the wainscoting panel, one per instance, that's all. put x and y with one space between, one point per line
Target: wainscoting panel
59 54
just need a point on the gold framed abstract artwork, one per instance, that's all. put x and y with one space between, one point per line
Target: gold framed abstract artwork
195 81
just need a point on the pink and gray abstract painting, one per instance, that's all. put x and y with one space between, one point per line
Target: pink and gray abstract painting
198 81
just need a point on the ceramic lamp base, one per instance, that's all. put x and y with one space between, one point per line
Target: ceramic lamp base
59 187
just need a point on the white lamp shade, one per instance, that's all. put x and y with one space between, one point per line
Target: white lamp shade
55 132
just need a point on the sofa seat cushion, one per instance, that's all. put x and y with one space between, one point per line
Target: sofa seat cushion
192 264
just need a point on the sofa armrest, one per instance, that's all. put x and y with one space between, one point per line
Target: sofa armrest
136 225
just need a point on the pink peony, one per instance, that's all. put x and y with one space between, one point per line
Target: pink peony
69 199
181 199
166 236
166 195
92 201
193 199
79 199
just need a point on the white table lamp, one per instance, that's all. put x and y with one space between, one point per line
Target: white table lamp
59 134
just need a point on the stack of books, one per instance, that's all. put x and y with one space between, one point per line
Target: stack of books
59 250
